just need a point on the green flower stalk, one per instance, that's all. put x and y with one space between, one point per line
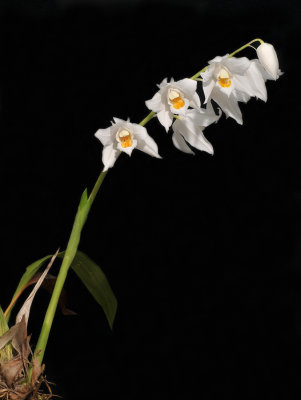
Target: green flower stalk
124 136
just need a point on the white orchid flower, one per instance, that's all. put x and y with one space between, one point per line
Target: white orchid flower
229 80
268 58
173 98
124 136
189 127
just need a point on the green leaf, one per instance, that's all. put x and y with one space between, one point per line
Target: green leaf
96 282
90 274
83 200
7 352
3 323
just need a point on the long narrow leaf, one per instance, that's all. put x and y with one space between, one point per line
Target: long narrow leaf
6 353
3 323
96 282
90 274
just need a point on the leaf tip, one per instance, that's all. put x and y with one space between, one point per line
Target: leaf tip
83 199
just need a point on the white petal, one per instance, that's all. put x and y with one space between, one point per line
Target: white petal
109 156
145 142
104 135
155 104
204 116
237 65
241 96
203 143
228 104
257 81
207 75
268 58
196 138
179 141
195 102
163 83
217 59
151 150
193 135
208 87
252 83
139 131
210 110
187 86
119 121
243 84
165 118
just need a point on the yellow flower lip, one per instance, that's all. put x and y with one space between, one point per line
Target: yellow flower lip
125 138
224 78
175 99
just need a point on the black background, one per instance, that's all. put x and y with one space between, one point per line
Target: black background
203 253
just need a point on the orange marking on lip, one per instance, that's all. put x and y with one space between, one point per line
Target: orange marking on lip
126 141
224 82
177 103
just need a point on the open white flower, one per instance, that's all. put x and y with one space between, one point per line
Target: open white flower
268 59
229 80
190 127
173 98
124 136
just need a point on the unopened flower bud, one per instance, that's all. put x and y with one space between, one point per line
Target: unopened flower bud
268 59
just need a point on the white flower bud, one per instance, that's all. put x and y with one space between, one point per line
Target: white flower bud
268 59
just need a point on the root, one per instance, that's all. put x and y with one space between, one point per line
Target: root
24 393
39 394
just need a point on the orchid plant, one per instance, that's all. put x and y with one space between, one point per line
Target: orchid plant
225 81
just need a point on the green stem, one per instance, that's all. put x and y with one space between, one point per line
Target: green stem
245 46
79 222
194 77
97 186
147 118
